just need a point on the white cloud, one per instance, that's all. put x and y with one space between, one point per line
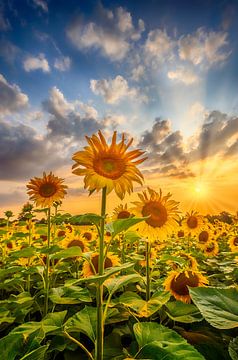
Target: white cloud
114 90
32 63
138 72
184 75
11 97
112 33
63 63
89 111
159 46
57 104
41 4
204 47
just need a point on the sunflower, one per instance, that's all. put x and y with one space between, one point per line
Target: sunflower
204 236
161 211
233 243
192 222
88 233
189 261
44 191
91 268
121 212
211 248
178 281
109 166
71 241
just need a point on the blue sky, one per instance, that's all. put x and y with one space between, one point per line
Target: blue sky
165 72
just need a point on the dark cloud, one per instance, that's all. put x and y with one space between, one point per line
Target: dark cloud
11 97
13 198
23 154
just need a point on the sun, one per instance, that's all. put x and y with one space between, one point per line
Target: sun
200 189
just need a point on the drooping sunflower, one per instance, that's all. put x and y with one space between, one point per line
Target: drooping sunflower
44 191
188 261
121 212
110 166
211 248
110 261
178 281
192 222
233 243
162 213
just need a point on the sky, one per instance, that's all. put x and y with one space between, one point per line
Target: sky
163 72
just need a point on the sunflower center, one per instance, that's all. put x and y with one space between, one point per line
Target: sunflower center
109 166
210 248
235 241
192 222
87 235
61 233
47 190
180 233
123 214
76 242
157 212
180 284
107 263
203 236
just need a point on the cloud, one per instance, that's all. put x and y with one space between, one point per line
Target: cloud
66 121
138 72
114 90
23 154
13 198
111 34
184 75
63 63
8 51
159 47
32 63
204 48
12 98
42 4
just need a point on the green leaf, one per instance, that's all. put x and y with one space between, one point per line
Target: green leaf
120 225
114 284
68 253
217 305
89 218
185 313
158 342
69 295
37 354
24 253
142 307
83 321
10 346
233 349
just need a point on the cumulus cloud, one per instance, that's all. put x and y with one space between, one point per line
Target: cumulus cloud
12 98
114 90
63 63
23 154
111 34
32 63
204 47
183 75
66 121
159 46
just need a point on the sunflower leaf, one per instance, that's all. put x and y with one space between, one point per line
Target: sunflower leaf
185 313
120 225
217 305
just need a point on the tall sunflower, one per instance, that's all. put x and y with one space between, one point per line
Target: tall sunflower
162 213
110 166
44 191
178 281
192 222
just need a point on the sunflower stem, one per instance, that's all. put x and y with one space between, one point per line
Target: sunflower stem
47 268
100 322
147 259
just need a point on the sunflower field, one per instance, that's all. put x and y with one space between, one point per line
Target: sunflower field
144 282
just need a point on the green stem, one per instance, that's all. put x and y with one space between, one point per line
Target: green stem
28 262
47 268
79 344
147 257
100 323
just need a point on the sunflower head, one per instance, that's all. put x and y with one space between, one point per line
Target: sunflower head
233 243
161 213
91 267
121 212
44 191
110 166
211 248
177 283
192 222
